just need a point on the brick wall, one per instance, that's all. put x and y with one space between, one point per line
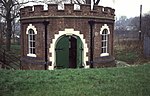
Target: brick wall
58 21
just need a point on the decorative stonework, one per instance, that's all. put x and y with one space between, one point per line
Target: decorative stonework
65 22
27 31
31 27
69 11
105 26
54 42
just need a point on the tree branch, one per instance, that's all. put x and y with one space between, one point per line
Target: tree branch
97 2
2 15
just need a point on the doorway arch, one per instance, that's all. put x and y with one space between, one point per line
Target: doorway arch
69 51
57 37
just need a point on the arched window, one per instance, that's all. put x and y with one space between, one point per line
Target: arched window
104 40
31 41
104 43
31 32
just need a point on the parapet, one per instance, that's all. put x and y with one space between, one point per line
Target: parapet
85 10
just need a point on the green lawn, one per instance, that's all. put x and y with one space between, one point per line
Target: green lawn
127 81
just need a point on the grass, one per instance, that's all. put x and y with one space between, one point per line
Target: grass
130 51
127 81
128 57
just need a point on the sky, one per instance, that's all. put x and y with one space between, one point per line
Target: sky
129 8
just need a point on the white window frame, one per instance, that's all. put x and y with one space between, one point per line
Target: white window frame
106 38
31 27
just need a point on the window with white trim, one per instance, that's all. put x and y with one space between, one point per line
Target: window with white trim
31 32
104 43
31 41
104 40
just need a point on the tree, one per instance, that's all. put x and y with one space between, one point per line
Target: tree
95 2
135 23
145 28
9 10
2 27
15 30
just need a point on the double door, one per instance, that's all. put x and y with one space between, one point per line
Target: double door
69 52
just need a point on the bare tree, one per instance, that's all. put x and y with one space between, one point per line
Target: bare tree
0 32
2 26
95 2
13 30
145 24
9 10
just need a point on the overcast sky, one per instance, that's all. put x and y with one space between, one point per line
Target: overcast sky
129 8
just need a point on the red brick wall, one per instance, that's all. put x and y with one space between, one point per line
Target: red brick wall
58 21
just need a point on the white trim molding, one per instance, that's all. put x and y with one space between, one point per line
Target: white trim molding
104 54
67 31
30 26
31 55
105 27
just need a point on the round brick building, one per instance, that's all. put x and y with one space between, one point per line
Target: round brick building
66 38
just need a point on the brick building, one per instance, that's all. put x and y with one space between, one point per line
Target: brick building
66 38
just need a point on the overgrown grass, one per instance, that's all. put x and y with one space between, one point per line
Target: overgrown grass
130 51
129 81
128 57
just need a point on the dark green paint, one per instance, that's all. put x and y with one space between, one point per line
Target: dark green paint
62 52
79 52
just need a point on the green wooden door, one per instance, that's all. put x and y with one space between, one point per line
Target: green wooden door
64 55
62 52
79 52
